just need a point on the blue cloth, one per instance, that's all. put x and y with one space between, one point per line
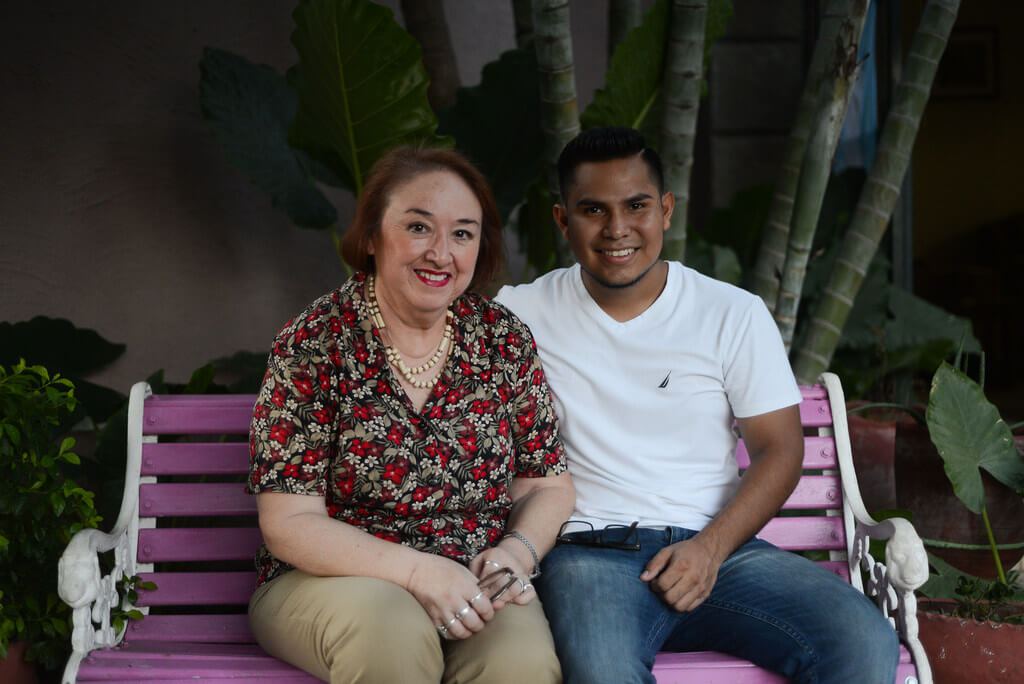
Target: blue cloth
772 607
858 141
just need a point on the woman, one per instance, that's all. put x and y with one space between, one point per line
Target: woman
403 407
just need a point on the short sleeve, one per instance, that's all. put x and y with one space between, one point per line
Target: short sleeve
294 423
758 377
539 451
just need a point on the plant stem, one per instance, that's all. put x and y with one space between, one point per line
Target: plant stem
916 415
992 545
942 544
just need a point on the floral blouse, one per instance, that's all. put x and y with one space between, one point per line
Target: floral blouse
332 420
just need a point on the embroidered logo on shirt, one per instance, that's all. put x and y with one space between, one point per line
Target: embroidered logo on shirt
664 383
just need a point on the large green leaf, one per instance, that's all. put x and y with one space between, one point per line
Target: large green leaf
362 87
497 124
63 348
915 321
970 435
539 238
633 83
249 107
634 75
57 344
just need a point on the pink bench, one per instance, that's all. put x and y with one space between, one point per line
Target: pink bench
187 524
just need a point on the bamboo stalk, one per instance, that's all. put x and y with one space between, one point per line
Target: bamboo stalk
425 20
833 100
881 190
522 15
560 119
681 84
767 272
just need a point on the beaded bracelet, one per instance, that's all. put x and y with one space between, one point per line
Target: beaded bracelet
515 534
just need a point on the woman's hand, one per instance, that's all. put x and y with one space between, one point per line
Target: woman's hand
450 595
495 558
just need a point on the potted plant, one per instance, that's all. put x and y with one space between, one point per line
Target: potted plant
973 628
40 508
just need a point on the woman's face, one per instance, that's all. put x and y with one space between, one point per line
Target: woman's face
427 248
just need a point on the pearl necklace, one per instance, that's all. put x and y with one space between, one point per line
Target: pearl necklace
392 354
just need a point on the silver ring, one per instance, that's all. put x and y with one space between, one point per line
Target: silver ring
464 612
523 585
527 587
451 622
479 596
442 629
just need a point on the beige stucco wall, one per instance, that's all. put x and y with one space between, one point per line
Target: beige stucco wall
118 210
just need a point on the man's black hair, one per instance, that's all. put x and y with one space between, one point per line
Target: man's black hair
605 144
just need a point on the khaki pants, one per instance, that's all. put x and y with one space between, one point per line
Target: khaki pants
361 629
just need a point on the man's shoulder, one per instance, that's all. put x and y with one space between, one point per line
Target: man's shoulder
705 296
539 292
706 287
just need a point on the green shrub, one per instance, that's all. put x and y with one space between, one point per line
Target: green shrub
41 507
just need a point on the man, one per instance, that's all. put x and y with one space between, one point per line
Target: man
650 364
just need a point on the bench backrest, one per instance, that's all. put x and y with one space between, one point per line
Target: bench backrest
197 531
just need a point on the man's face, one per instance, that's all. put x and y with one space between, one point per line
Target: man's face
614 219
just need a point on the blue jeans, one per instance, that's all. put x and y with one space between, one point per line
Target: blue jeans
769 606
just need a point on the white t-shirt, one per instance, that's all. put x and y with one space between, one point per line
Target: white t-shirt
646 407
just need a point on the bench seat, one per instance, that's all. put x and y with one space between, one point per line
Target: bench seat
187 525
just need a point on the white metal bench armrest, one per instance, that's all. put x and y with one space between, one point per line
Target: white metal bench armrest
890 584
79 581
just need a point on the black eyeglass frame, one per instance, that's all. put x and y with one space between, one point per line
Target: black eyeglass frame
596 538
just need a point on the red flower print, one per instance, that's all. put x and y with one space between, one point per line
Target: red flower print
469 524
468 443
278 397
394 473
303 385
281 431
291 470
323 416
395 434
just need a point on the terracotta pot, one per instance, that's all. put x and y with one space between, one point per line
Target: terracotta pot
965 650
923 488
14 669
873 441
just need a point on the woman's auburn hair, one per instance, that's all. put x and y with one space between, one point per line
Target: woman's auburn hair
401 165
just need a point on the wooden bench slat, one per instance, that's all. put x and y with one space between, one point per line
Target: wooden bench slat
815 413
198 544
195 499
819 454
232 458
813 392
225 414
198 588
105 665
810 533
191 458
815 492
710 667
223 629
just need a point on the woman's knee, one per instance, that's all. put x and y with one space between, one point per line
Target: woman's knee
358 629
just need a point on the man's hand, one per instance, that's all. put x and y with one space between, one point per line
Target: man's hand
684 573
